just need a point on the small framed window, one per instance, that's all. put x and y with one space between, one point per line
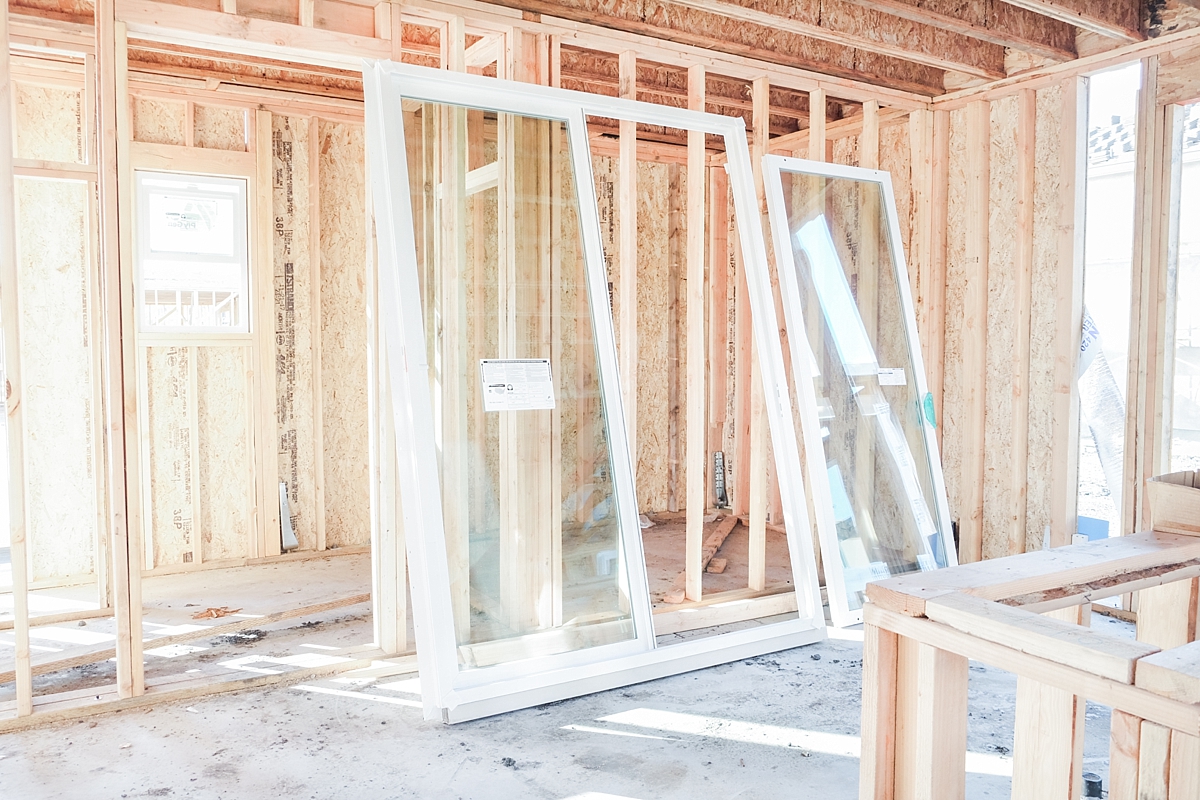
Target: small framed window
192 253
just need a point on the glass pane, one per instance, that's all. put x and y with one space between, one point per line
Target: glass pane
532 533
1107 282
868 402
1184 390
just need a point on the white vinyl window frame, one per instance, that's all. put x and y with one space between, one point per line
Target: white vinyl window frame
454 695
773 166
143 180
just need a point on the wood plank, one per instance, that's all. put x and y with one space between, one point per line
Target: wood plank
1167 614
868 140
1026 156
974 344
1087 571
877 763
999 23
724 612
935 341
1044 637
1049 732
1173 673
760 92
1124 745
696 452
264 422
1064 478
869 30
718 319
314 282
1154 759
1184 767
816 125
627 254
931 723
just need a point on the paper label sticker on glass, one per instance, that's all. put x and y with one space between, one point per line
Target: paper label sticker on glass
892 376
516 384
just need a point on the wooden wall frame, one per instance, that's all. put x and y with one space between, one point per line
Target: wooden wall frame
451 695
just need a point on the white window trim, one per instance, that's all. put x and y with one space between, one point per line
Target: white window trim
452 695
835 579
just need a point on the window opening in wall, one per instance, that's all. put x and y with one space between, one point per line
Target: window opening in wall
1183 389
192 253
1108 264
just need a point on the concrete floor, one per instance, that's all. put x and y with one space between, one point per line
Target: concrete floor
783 725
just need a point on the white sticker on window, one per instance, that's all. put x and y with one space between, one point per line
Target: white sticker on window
516 384
892 376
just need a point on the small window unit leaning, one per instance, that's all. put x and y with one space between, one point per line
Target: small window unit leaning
528 582
874 472
192 253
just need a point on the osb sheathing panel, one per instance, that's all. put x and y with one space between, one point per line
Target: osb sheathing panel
159 121
48 123
953 432
293 319
226 477
845 151
1179 75
344 333
895 156
57 357
1044 315
168 410
1001 329
220 128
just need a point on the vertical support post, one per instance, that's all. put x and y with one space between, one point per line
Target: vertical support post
931 723
627 249
307 12
1022 313
696 453
1064 478
868 140
10 316
1048 741
920 145
1166 615
935 365
314 282
816 124
265 423
761 93
1154 761
1141 435
1124 752
718 315
974 346
866 267
877 775
193 414
120 386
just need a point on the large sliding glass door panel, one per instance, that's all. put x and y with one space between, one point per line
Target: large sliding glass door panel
870 447
528 578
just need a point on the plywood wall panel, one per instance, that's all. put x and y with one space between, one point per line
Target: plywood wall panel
1044 312
1001 334
895 157
57 355
344 333
159 121
171 525
49 123
219 128
293 320
953 400
845 151
224 451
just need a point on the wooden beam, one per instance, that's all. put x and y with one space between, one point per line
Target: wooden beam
877 775
935 340
974 346
931 722
1072 161
816 125
864 28
758 411
627 254
314 282
307 12
718 316
1049 731
265 428
868 140
1026 147
1124 753
1118 19
999 23
697 453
